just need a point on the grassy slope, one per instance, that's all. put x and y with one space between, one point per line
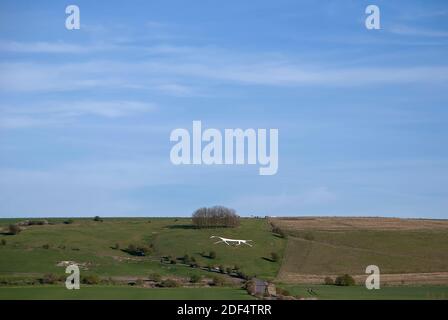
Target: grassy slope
120 292
23 255
361 293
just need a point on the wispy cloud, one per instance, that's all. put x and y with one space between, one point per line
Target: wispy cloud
57 113
419 32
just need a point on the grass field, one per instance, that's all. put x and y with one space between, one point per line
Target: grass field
121 292
361 293
90 242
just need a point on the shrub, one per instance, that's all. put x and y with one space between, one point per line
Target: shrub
193 262
116 246
217 216
46 246
229 270
279 232
328 281
138 250
155 277
218 281
212 255
98 219
3 242
195 278
14 229
274 256
345 280
69 221
222 269
169 283
50 278
186 259
90 279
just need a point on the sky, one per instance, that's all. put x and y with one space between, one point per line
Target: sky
86 115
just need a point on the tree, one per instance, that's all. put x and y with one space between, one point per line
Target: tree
218 281
14 229
274 256
98 219
155 277
328 281
217 216
212 254
195 278
3 242
345 280
169 283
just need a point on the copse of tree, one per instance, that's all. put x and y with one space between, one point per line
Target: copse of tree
217 216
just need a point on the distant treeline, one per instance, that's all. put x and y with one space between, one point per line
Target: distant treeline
217 216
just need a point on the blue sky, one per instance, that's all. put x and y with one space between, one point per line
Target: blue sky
85 115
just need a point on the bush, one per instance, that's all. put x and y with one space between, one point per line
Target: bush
193 262
195 278
345 280
98 219
217 216
169 283
116 246
90 279
218 281
138 250
14 229
186 259
274 256
69 221
3 242
222 269
212 255
279 232
50 278
328 281
46 246
155 277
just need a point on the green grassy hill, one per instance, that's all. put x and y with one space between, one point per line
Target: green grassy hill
38 249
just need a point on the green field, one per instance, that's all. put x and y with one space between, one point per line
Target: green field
121 292
361 293
90 242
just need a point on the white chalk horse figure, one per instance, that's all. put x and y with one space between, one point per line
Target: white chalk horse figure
232 241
